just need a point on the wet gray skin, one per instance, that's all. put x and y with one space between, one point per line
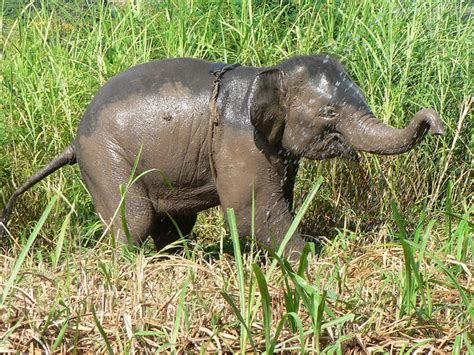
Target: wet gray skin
266 119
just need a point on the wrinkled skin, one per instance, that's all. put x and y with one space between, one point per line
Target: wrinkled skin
269 118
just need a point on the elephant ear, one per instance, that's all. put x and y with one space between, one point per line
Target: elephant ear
267 104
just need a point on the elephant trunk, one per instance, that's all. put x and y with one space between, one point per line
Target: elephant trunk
369 134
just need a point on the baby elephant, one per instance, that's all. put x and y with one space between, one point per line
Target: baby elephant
215 134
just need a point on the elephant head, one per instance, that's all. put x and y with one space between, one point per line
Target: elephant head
312 107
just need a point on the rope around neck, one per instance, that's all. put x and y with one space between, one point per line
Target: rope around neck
215 115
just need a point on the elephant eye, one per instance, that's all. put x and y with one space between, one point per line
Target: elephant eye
327 112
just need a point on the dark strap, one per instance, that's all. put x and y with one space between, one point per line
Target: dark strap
216 85
220 72
215 116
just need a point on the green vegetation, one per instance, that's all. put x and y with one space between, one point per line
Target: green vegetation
392 267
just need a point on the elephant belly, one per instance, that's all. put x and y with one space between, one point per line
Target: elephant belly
187 202
179 177
177 181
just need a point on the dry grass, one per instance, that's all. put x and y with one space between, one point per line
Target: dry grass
136 300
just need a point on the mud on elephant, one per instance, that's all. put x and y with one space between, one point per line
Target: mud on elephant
213 134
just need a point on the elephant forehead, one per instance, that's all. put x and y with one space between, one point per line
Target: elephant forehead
323 88
312 97
315 91
336 89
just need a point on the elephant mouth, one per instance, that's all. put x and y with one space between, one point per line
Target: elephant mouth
339 146
331 146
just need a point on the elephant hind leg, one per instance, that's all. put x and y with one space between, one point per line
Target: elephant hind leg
166 232
140 215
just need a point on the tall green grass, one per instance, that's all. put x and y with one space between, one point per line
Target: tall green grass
57 54
417 208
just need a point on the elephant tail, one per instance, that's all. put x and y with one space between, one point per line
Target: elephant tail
68 156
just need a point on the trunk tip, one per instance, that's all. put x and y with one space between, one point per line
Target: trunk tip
432 118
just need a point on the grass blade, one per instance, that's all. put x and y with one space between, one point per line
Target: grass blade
237 313
294 225
466 300
411 272
320 304
62 333
102 332
25 250
299 216
234 235
299 325
179 314
60 240
266 303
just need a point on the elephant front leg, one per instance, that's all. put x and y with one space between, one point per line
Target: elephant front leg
241 176
272 222
272 219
